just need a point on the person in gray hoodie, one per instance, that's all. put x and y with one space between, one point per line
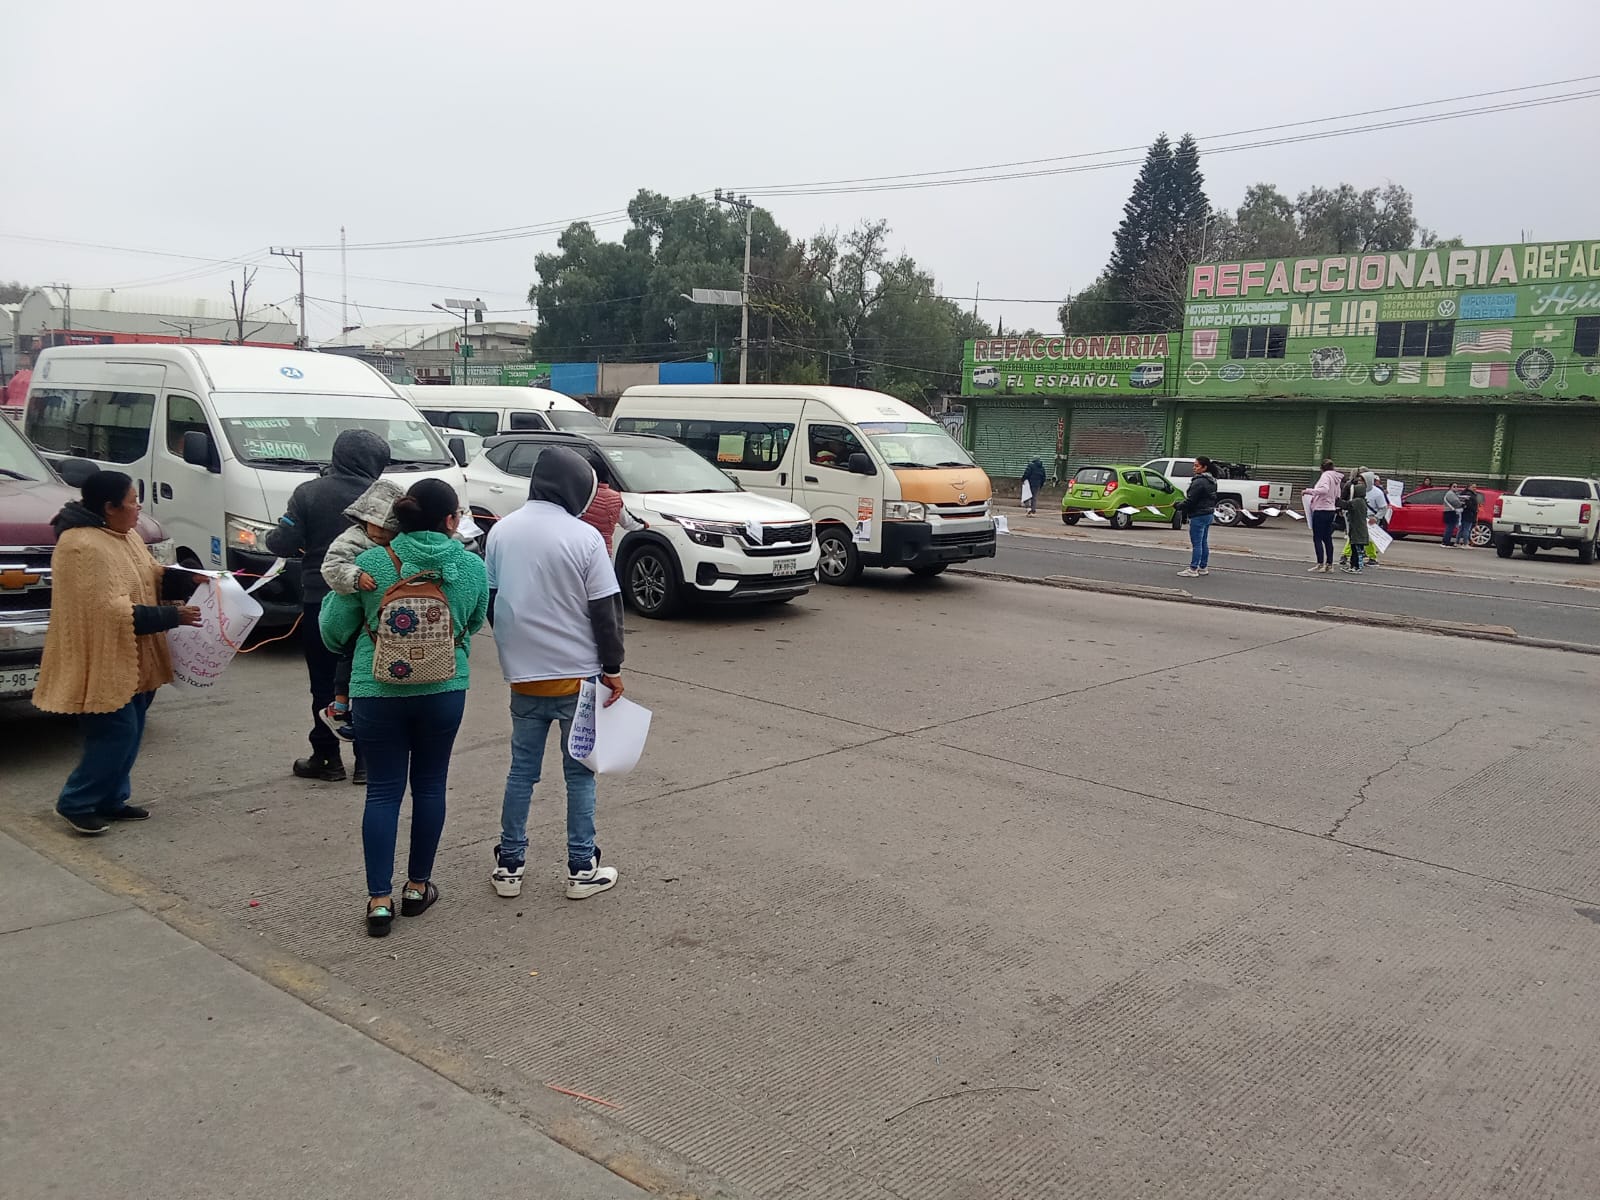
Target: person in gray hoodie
556 609
374 525
314 519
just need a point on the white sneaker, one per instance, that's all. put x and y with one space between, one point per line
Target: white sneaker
1203 571
507 877
1188 573
1313 570
591 880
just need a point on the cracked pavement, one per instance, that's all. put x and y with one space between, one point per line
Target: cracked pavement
1155 900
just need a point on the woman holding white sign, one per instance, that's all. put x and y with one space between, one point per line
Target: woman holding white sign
105 652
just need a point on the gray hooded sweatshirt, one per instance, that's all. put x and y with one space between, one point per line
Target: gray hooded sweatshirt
316 513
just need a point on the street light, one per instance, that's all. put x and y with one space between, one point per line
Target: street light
465 306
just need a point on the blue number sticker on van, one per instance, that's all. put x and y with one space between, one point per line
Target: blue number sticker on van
291 372
216 552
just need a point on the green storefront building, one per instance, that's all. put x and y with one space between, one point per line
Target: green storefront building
1481 362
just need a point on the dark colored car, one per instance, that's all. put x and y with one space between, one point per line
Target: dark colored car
31 494
1421 514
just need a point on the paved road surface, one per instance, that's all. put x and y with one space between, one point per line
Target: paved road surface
1477 587
953 889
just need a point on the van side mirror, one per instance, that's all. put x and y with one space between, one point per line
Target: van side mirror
198 451
75 471
862 464
458 450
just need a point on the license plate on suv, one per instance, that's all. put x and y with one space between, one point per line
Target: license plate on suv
785 566
1545 529
19 680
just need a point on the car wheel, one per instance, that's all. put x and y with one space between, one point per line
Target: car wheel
1529 550
1227 511
1177 520
1503 546
840 563
1071 518
1482 534
929 571
651 582
1399 537
1121 520
1252 520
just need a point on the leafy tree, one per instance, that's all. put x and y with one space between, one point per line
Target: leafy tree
13 292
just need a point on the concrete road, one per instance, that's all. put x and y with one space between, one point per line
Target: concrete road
959 889
1554 598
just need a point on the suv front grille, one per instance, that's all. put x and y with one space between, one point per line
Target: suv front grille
24 581
772 535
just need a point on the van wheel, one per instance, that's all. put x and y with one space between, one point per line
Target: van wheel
840 563
1228 511
651 582
1121 520
929 571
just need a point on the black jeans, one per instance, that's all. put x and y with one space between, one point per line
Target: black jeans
322 666
1322 534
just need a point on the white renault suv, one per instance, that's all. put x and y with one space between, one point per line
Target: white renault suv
689 532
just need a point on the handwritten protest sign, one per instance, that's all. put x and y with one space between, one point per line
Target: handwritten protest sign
201 652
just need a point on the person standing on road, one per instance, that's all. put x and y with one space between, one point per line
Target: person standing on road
557 614
1199 508
1471 502
1033 481
1454 505
1355 510
315 518
408 728
1322 498
105 649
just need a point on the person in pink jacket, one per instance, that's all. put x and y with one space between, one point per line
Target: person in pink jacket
1321 499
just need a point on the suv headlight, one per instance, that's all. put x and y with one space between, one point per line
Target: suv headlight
244 534
706 533
902 510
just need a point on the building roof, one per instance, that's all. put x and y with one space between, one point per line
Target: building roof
147 312
398 336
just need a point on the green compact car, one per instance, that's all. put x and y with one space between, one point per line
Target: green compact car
1112 491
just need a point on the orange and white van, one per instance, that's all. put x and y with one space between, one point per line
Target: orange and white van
884 483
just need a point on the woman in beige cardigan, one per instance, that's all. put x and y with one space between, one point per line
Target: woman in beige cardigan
105 652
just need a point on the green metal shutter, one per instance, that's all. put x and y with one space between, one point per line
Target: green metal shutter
1007 437
1258 437
1116 433
1554 444
1410 442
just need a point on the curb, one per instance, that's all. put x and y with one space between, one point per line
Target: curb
1503 634
629 1156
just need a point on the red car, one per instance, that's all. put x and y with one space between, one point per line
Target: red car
1422 515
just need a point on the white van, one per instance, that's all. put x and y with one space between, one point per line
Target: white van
884 483
487 411
217 437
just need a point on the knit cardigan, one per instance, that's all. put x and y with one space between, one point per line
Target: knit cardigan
93 660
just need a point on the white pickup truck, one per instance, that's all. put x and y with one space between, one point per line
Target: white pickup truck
1547 511
1240 499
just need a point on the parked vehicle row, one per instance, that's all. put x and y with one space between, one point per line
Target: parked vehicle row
1240 499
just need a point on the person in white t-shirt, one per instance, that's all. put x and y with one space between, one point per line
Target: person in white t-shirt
556 609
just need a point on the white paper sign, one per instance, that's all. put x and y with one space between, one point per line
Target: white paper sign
1289 512
201 652
607 740
1151 508
863 532
1273 512
1094 516
1396 489
1027 491
1127 510
1001 523
1379 537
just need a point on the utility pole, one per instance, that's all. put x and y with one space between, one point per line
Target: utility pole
769 345
344 287
742 202
300 266
66 306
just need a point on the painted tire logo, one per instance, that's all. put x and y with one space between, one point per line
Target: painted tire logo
1535 366
291 372
1447 308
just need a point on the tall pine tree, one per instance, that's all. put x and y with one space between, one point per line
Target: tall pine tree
1140 220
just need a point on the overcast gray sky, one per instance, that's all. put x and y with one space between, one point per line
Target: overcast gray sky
218 129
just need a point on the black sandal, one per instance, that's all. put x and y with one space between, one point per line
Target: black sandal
414 903
379 918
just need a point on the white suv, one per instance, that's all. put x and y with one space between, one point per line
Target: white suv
689 531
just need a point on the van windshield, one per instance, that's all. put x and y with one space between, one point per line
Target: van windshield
575 422
920 444
657 465
305 443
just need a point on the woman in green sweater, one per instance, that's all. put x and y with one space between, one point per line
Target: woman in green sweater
408 728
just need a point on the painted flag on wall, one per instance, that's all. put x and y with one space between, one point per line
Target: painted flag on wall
1483 341
1490 375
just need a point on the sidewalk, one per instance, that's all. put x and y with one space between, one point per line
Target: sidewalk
140 1063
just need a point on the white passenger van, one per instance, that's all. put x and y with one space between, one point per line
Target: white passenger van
884 483
487 411
217 437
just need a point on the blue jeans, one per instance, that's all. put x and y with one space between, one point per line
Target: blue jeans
101 782
1452 521
1322 534
1200 541
403 735
531 718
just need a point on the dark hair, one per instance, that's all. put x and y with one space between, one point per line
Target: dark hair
1205 463
426 507
103 488
1327 464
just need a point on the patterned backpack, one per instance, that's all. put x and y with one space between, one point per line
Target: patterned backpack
414 640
